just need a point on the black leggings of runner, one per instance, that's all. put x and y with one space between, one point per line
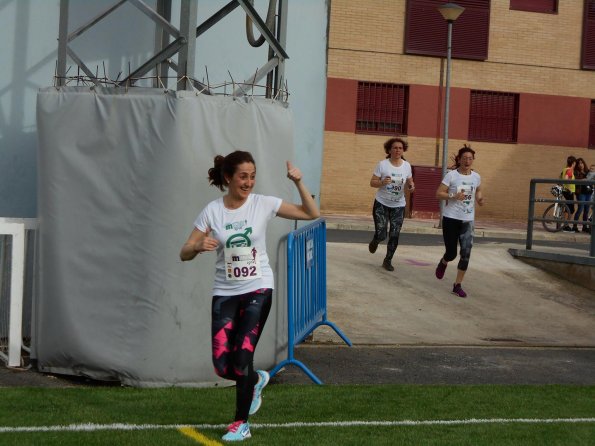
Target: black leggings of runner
383 215
236 328
457 231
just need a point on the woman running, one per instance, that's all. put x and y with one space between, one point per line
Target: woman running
235 227
390 177
461 187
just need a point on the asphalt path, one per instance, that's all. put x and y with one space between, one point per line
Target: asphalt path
335 363
452 362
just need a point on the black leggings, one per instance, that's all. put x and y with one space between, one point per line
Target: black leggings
383 215
236 328
457 231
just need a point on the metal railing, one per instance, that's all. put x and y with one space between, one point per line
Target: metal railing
532 200
306 290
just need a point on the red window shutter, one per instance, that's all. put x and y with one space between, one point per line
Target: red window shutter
381 108
426 179
588 53
592 126
493 116
547 6
426 30
470 33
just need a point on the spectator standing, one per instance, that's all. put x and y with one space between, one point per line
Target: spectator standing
582 192
568 189
591 177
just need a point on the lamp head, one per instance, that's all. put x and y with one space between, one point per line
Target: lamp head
450 11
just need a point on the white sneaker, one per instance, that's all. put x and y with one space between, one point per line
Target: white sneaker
263 380
237 431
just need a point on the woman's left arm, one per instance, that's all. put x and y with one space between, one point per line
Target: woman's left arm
479 196
307 210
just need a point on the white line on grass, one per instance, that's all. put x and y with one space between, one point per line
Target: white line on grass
134 427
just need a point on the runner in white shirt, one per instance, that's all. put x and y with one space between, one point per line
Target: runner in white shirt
391 176
461 187
234 226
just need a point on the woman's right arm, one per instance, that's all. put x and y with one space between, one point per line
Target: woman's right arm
375 181
442 192
197 242
378 182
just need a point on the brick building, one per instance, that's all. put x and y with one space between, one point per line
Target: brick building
522 94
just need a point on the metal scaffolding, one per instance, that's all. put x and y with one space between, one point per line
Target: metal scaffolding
170 41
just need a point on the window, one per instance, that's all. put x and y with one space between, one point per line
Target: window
592 126
382 108
547 6
588 52
426 30
493 116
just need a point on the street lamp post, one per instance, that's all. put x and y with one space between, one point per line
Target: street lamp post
450 12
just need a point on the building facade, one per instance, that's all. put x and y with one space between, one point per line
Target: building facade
522 94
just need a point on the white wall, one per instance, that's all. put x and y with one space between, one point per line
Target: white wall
28 57
28 36
305 70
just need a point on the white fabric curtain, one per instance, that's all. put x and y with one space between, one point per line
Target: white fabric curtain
122 176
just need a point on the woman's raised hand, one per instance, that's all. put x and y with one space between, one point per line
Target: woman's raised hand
293 173
206 243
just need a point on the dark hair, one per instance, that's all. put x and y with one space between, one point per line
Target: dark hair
225 166
389 143
576 167
462 151
571 159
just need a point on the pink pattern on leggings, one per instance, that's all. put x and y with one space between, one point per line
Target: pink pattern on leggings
247 344
220 341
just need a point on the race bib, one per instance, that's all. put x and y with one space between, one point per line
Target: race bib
468 190
395 189
242 263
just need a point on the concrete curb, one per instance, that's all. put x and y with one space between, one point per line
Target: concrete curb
513 234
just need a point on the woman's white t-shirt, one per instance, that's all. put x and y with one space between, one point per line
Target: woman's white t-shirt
456 182
242 262
392 194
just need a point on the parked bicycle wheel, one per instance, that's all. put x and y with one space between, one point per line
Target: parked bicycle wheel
560 213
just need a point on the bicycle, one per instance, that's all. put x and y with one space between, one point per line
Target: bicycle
558 211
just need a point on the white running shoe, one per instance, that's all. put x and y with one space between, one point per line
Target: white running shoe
263 380
237 431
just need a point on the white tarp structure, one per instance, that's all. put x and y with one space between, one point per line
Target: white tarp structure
122 176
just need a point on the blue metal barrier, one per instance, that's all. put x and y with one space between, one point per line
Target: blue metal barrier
306 290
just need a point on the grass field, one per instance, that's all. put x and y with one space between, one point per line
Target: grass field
302 415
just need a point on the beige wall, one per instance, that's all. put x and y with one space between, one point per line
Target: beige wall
526 38
505 169
406 69
528 53
519 37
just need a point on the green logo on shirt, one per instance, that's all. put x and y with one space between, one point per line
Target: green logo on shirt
238 240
